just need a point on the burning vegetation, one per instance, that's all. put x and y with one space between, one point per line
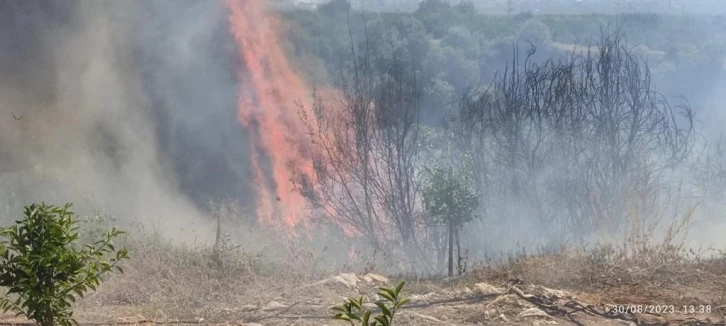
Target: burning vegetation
269 90
503 168
572 145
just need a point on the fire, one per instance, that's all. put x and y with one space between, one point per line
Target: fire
267 109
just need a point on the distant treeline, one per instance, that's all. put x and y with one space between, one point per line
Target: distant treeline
567 7
458 46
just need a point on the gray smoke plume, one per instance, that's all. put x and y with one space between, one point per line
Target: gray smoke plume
124 108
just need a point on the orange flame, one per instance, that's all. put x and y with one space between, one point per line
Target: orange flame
267 109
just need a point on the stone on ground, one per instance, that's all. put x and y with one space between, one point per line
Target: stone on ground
487 289
552 293
347 279
375 278
532 312
273 305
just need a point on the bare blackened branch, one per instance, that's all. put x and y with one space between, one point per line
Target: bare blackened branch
573 132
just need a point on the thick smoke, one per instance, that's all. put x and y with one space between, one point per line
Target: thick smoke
123 108
130 108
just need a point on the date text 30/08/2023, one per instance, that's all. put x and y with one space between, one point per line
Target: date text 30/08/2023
661 309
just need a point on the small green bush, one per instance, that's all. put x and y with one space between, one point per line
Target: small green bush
353 311
44 268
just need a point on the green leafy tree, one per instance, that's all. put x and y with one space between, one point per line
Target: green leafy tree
448 198
354 312
44 268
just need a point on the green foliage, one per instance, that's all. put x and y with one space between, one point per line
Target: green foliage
43 267
448 198
91 228
353 310
448 194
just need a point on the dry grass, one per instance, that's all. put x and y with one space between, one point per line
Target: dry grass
650 266
172 282
607 274
165 281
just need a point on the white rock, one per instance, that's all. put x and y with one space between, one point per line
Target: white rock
552 293
347 279
375 278
503 318
422 297
532 312
273 305
427 317
486 289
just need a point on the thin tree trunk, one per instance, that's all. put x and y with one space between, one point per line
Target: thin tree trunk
440 249
217 255
458 251
451 248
